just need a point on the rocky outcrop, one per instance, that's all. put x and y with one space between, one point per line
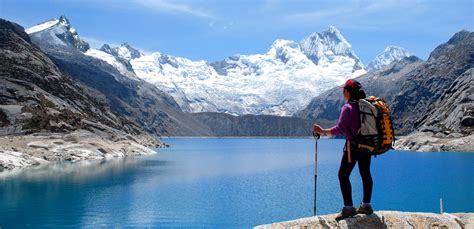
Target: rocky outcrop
42 148
382 219
429 84
449 126
435 142
454 111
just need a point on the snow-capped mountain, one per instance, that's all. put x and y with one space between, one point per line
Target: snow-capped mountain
62 32
329 47
279 82
388 56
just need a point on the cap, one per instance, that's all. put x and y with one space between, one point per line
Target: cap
352 84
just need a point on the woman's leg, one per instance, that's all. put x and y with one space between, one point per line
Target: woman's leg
344 172
364 169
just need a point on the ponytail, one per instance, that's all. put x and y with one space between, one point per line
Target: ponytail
357 94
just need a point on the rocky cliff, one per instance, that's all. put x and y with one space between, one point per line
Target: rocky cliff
382 219
429 85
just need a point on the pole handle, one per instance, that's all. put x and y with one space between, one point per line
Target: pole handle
316 136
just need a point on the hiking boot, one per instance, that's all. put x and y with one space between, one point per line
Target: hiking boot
346 212
365 209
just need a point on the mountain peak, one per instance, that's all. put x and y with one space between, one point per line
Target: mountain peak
64 21
126 44
282 43
393 48
61 29
462 39
324 47
389 55
125 51
333 29
284 49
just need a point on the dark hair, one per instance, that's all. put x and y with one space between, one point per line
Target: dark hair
356 94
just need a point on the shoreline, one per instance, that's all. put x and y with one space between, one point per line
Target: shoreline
21 151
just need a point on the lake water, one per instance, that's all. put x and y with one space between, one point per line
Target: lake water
222 183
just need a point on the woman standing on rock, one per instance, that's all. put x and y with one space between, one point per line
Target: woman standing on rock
348 125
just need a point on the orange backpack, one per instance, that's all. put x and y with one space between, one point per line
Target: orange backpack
376 134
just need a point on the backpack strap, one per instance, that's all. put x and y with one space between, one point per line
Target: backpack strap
349 151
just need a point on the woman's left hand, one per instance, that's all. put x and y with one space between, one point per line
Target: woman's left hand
317 129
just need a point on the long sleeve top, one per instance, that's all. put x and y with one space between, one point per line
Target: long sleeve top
349 121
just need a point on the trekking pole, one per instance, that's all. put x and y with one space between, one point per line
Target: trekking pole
316 137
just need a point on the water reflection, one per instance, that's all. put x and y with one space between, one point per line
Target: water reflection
78 171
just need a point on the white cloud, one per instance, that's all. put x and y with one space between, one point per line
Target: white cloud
366 15
174 8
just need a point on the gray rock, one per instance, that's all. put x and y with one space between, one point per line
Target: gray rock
382 219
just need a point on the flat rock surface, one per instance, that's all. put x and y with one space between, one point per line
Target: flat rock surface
382 219
35 149
429 142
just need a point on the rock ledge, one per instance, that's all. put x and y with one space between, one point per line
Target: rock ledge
382 219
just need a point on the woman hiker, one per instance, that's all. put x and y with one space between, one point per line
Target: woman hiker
348 125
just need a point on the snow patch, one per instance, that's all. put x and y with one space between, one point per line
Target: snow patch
42 26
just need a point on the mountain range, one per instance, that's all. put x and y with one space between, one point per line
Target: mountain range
279 82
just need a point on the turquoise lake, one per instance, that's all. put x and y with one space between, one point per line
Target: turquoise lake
228 182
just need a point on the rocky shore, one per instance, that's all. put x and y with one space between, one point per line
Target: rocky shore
430 142
41 148
382 219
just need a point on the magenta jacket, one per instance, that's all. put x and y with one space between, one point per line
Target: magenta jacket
349 121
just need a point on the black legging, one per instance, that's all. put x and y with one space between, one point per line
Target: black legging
345 171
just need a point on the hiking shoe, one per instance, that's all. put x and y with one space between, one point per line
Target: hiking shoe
365 209
346 212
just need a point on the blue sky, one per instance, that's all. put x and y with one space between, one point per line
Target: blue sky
215 29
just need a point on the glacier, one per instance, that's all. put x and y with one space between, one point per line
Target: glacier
279 82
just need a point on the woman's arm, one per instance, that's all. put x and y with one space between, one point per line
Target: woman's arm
340 128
